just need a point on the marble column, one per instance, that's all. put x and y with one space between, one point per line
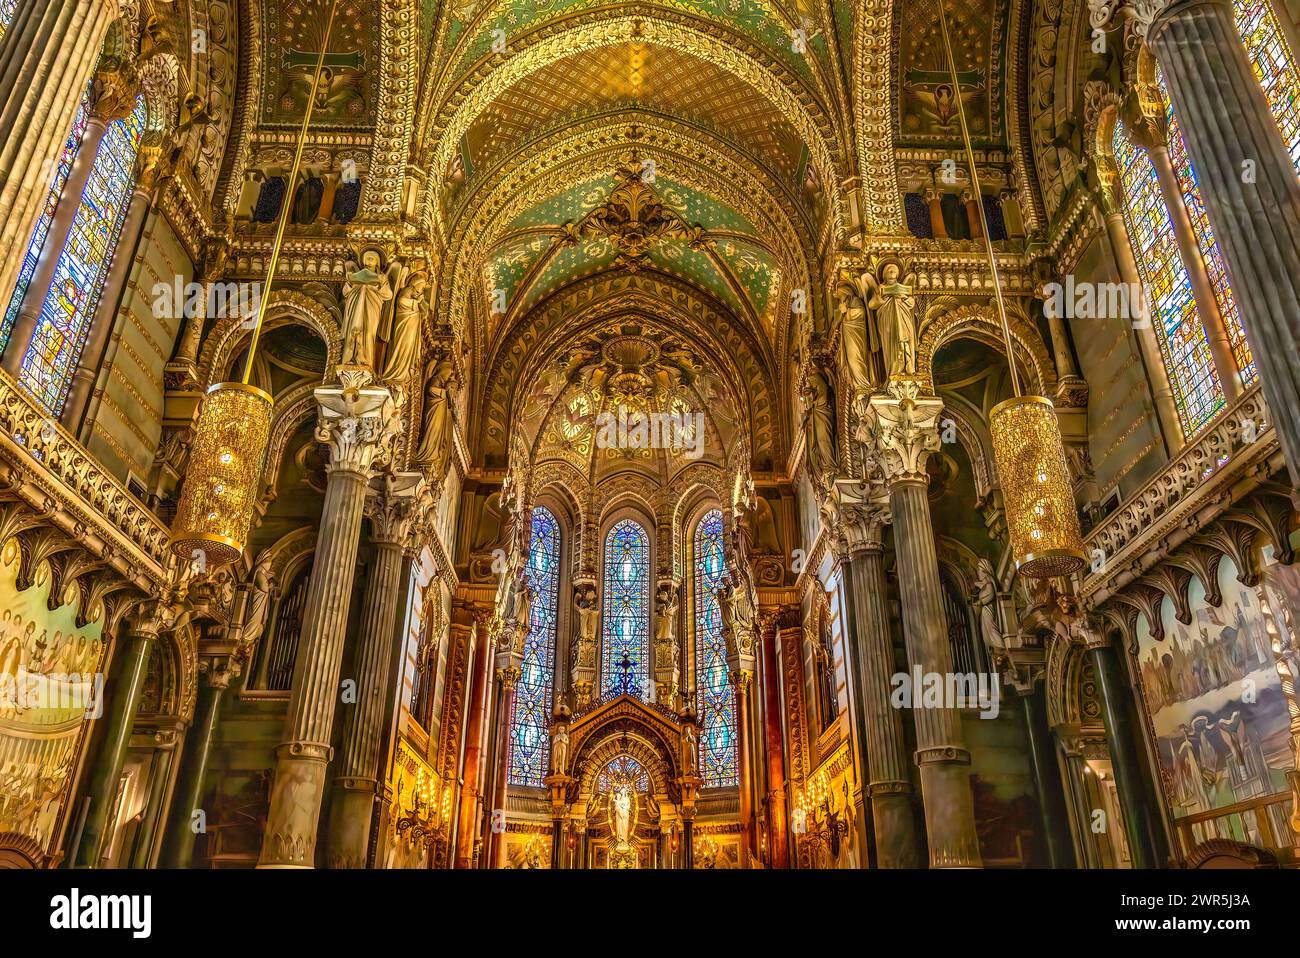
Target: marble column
1122 736
152 821
122 702
1047 777
935 202
188 795
1251 192
742 681
778 842
46 59
356 421
508 670
880 725
904 427
392 512
473 774
110 297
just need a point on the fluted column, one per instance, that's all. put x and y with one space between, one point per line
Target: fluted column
121 705
904 426
742 681
1251 192
355 421
391 512
473 770
507 679
880 725
46 59
186 799
101 326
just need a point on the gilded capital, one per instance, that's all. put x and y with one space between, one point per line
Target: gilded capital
903 425
357 423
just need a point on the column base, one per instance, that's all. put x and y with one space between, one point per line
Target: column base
895 825
351 813
290 837
949 816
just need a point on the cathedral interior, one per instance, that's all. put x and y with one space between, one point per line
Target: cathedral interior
670 434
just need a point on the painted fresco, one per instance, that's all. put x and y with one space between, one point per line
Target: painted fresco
49 674
1216 703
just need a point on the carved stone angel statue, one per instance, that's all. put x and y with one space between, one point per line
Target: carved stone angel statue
986 600
894 332
435 436
366 295
403 332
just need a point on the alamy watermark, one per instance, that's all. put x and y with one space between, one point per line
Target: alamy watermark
1096 301
76 691
947 690
679 431
202 300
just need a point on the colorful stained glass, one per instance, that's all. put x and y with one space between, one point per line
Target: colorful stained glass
530 737
715 698
34 246
83 265
623 770
625 616
1209 246
1275 67
1168 291
7 8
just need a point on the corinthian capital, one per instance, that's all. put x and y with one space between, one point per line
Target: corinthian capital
904 429
393 506
358 424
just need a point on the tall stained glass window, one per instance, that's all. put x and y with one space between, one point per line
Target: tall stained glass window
625 617
1275 67
61 170
713 693
1183 344
7 8
530 737
1209 246
83 265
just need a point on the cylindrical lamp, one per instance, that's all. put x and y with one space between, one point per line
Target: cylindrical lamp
225 467
1041 516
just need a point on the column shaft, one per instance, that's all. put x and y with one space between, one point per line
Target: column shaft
743 750
778 832
121 705
880 724
290 838
506 699
1047 778
358 765
469 795
1251 192
941 753
188 796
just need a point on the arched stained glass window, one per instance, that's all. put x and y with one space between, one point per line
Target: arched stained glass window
623 770
1183 343
1275 67
530 736
1209 246
625 617
83 265
42 229
714 696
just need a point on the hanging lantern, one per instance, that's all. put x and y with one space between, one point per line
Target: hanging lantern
225 468
1041 516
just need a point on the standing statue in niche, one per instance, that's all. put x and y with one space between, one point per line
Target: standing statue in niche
854 292
894 332
560 750
818 423
986 600
367 293
620 815
435 436
665 615
259 603
402 334
690 753
588 624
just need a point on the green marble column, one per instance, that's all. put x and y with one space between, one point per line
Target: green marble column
1047 778
179 844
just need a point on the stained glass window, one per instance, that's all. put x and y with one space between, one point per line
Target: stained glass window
7 8
61 170
625 616
1274 66
530 738
82 266
1168 291
623 770
1218 273
714 696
